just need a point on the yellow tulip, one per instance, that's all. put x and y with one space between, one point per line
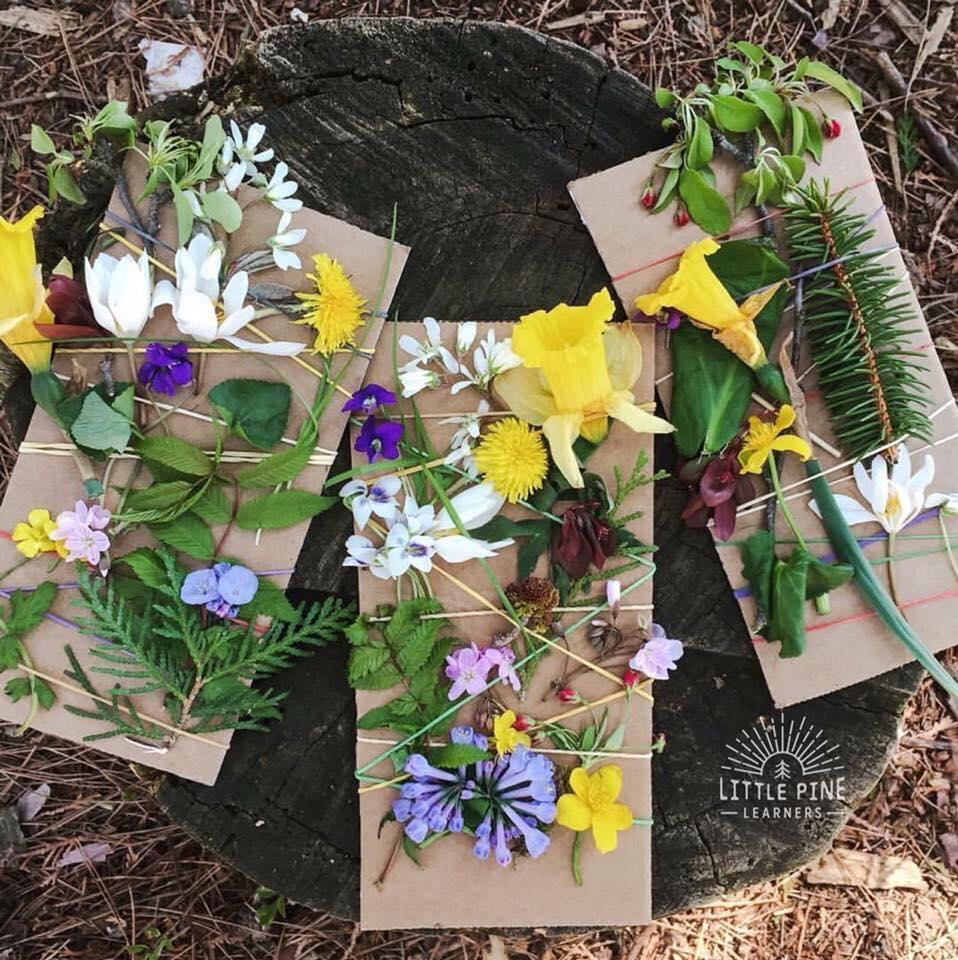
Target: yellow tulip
577 372
764 437
698 293
22 296
592 803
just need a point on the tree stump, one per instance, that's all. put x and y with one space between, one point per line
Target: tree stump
474 130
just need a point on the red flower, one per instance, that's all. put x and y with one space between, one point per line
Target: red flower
715 492
567 695
521 723
832 128
681 216
583 539
649 196
73 315
631 677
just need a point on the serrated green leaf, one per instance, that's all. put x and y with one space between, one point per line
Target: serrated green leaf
188 534
255 409
214 506
29 607
146 564
176 454
44 693
270 601
284 508
706 206
100 427
282 467
457 755
9 652
363 661
158 495
17 688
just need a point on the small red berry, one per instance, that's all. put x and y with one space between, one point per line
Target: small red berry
521 723
567 695
649 196
631 677
681 216
832 128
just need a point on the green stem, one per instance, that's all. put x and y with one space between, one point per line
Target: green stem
576 859
780 497
15 567
892 583
846 547
947 539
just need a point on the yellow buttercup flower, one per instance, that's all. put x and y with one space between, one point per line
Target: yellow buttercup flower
33 537
592 803
764 437
22 296
698 293
578 370
505 734
335 310
512 457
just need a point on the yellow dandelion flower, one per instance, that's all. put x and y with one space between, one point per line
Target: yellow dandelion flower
335 310
512 457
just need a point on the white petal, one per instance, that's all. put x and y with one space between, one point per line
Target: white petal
410 345
278 348
234 176
353 487
879 498
474 506
457 548
433 333
286 259
163 293
255 134
233 297
292 205
851 510
195 316
918 483
389 485
901 471
362 510
863 481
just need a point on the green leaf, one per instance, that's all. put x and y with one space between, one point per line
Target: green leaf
113 120
787 623
813 135
699 151
44 693
175 453
664 98
282 467
822 577
364 661
222 208
188 534
285 508
758 560
754 52
40 141
17 688
270 601
64 185
707 207
457 755
28 608
99 426
667 192
9 652
214 506
795 166
184 214
146 564
798 128
158 495
772 105
735 114
713 387
832 78
255 409
746 190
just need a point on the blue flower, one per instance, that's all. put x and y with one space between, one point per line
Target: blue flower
367 400
222 588
166 368
379 438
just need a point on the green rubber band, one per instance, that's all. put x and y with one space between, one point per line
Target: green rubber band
643 821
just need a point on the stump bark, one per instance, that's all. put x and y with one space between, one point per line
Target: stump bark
474 130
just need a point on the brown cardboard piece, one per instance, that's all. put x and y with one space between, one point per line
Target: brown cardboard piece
849 644
41 480
455 889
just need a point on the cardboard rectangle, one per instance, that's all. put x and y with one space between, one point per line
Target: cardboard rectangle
53 482
454 889
849 644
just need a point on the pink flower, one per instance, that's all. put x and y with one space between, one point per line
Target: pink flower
468 668
658 655
503 658
81 530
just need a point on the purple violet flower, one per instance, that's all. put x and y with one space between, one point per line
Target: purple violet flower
222 588
167 368
468 668
517 792
367 400
379 438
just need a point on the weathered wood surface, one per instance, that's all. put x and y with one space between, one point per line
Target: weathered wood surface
475 130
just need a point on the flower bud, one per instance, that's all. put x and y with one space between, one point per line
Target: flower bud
521 723
831 128
631 677
567 695
681 216
649 196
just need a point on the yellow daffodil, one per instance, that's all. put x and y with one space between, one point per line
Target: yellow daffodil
505 734
33 537
763 437
512 457
577 372
335 310
698 293
22 297
592 803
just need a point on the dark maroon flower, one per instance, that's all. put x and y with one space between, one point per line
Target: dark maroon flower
73 315
715 492
583 540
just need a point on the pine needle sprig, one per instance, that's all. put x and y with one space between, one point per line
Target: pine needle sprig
858 318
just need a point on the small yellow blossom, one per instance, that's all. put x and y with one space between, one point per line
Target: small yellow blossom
592 803
505 734
335 310
33 537
512 457
698 293
764 437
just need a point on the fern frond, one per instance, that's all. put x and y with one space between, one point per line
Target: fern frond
858 319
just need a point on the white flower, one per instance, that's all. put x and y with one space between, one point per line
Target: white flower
194 300
119 292
490 358
246 149
947 502
364 501
463 440
425 353
405 549
465 335
229 168
415 379
282 240
895 501
279 191
475 506
363 553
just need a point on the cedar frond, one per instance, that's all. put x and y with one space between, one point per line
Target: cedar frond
858 318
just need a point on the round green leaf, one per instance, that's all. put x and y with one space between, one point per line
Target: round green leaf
707 207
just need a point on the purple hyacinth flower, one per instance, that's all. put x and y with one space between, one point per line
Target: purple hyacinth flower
379 438
367 400
167 367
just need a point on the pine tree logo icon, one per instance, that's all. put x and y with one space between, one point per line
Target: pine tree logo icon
781 770
782 749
